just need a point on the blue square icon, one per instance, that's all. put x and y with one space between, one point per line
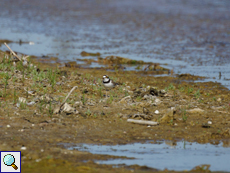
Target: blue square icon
10 161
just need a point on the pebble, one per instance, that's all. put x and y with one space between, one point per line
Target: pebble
209 122
38 160
156 112
23 148
195 110
16 113
31 103
8 125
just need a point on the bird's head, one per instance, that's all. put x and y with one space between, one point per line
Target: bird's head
105 77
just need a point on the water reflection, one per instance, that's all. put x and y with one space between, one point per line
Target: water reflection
172 155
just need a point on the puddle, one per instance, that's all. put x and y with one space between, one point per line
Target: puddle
191 37
176 156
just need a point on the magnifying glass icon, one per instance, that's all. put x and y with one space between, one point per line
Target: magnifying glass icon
9 160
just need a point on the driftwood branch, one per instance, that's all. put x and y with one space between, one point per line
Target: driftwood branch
58 108
152 123
68 96
13 52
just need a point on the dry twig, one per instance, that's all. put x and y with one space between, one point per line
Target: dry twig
13 52
57 109
152 123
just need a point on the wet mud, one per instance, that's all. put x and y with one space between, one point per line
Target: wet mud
30 94
170 59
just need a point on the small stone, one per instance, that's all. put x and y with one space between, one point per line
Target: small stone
162 93
173 108
8 125
156 102
78 103
219 100
38 160
209 122
23 148
31 103
68 109
195 110
156 112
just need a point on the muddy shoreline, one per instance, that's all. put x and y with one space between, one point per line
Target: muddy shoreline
196 112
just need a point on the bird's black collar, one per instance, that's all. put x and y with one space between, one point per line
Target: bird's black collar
107 81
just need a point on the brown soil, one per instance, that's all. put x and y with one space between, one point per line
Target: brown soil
186 111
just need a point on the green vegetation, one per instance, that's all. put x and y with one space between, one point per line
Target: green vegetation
197 94
184 114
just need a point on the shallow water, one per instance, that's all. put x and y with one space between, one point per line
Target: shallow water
189 36
160 155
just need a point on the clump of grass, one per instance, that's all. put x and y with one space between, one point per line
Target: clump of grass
5 63
88 112
184 115
139 98
111 99
190 90
126 93
52 77
41 106
197 94
23 105
182 89
5 81
50 110
170 87
14 97
83 99
94 115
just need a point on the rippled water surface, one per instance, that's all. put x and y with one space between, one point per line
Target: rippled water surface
160 155
188 36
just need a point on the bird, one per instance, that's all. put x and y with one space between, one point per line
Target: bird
108 83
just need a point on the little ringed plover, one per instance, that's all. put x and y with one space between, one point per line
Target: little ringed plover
108 83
